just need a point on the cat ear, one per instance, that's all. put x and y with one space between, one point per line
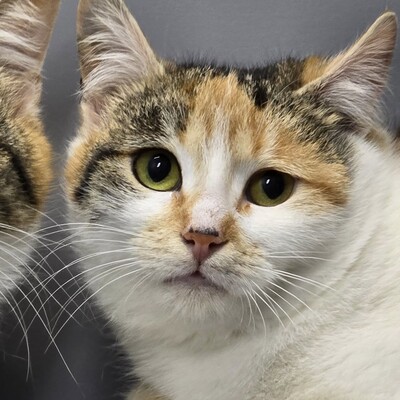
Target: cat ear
25 30
355 79
112 49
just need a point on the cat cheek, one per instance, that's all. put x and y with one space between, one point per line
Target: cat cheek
282 234
149 217
144 208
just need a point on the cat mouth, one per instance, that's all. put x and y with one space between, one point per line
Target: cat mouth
195 279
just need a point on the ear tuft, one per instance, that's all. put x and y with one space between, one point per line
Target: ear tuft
355 79
113 50
25 30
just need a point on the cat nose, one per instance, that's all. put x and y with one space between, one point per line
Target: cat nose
203 243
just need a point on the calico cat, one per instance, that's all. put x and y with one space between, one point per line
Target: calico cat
25 154
240 227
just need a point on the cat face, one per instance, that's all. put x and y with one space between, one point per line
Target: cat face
200 188
25 155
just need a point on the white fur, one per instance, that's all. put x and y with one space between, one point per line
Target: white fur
210 208
24 36
15 253
345 346
17 45
117 47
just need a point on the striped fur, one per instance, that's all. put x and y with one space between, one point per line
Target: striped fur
25 154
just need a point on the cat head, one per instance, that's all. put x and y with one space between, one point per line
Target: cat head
201 189
25 155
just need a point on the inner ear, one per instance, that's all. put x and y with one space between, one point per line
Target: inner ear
25 31
113 50
355 79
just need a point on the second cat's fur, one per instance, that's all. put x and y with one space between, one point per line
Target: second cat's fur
25 154
240 227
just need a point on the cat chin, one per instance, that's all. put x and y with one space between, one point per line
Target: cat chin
177 315
195 281
164 304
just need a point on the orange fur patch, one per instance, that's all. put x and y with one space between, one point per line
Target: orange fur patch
314 68
224 96
41 168
261 136
76 164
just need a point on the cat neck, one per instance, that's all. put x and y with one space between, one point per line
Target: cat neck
364 263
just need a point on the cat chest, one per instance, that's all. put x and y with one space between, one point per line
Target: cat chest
356 359
227 374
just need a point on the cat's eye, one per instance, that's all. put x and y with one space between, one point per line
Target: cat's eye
157 170
269 188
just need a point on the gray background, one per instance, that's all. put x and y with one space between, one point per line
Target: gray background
245 32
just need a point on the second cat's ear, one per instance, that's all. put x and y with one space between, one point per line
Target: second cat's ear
112 49
25 30
354 80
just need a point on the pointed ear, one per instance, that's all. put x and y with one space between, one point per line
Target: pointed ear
354 80
25 30
112 49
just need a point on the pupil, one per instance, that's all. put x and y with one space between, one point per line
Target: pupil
273 184
159 167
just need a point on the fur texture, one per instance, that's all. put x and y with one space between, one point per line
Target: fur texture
25 154
301 300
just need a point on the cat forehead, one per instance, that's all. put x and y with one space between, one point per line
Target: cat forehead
252 107
256 111
251 118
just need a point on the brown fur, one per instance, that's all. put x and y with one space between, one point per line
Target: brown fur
314 68
25 158
254 133
26 139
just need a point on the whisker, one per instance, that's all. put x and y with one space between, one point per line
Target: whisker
259 310
304 279
18 314
93 295
251 317
271 308
290 294
82 288
48 332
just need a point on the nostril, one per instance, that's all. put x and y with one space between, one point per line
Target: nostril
203 243
213 245
202 251
190 242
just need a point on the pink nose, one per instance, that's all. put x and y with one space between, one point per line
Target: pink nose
203 243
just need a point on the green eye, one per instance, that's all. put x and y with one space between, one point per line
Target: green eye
269 188
157 170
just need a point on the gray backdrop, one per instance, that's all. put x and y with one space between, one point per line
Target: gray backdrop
241 31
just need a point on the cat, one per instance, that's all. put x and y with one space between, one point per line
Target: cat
240 227
25 153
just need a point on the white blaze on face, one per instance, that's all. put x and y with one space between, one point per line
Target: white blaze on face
212 180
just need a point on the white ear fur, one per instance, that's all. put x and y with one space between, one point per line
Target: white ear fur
355 79
25 30
113 49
